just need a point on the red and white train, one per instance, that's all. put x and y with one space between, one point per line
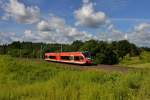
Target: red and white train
70 57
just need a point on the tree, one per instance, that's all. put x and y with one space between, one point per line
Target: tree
134 50
123 48
3 49
75 46
91 45
108 57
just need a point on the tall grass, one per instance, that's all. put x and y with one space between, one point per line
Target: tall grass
141 61
22 79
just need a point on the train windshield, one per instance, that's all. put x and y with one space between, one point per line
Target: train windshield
88 55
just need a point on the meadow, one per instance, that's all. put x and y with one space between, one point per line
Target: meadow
141 61
30 79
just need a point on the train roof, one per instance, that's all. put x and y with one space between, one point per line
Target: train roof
63 52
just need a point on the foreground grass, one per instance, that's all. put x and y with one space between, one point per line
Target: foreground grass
22 79
142 61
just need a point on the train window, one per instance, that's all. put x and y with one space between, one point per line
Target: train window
71 57
65 57
52 57
78 58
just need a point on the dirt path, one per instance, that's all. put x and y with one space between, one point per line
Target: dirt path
99 66
113 68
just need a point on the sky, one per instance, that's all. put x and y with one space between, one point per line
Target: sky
64 21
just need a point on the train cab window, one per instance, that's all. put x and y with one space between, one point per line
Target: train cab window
80 57
52 57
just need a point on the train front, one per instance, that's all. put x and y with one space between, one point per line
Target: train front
89 57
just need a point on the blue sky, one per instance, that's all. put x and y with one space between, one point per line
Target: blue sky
68 20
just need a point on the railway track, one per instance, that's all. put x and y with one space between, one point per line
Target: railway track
116 68
113 68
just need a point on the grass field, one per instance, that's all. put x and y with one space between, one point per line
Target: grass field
26 79
142 61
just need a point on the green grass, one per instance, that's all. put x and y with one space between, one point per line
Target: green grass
25 79
142 61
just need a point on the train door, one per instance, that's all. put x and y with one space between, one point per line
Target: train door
71 58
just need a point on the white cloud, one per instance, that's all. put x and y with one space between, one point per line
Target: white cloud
140 35
52 30
43 26
7 37
142 27
86 16
113 35
86 1
55 29
29 35
21 13
126 36
62 33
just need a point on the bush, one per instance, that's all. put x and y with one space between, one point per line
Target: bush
108 57
14 53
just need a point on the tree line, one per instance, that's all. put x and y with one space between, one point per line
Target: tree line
104 52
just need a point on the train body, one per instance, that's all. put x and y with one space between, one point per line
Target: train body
70 57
